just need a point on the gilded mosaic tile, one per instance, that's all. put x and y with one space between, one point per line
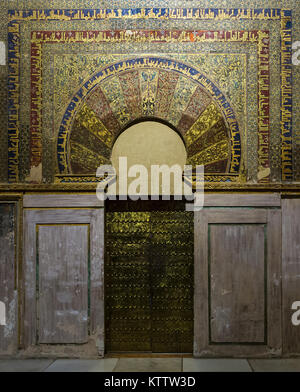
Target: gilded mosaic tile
114 94
159 105
208 118
88 119
216 18
167 82
84 160
148 84
215 134
57 37
100 105
197 104
158 100
207 156
142 63
181 99
131 90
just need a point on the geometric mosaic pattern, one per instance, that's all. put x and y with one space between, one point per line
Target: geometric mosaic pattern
179 117
153 94
261 38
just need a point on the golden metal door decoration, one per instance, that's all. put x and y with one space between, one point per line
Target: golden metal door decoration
149 281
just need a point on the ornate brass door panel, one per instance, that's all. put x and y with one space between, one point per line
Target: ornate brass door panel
149 281
172 264
127 277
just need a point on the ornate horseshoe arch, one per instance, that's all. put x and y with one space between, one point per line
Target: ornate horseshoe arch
156 88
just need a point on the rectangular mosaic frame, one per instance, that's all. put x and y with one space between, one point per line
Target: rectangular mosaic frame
68 178
41 37
285 16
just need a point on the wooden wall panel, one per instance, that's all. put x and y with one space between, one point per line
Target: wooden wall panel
8 278
237 282
63 263
62 200
237 275
63 250
290 272
242 200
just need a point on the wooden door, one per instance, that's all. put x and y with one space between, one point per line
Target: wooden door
290 274
237 282
63 275
9 277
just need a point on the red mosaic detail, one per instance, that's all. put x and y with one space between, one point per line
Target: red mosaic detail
99 104
166 85
131 90
199 101
36 99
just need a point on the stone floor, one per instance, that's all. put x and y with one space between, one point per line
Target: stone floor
150 365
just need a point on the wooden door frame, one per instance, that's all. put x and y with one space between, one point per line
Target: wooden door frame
260 208
63 209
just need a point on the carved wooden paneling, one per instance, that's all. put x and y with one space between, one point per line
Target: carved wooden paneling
63 271
8 278
237 282
290 272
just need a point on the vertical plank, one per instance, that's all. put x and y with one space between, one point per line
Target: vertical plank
290 272
274 260
97 316
237 273
29 273
8 292
201 323
62 313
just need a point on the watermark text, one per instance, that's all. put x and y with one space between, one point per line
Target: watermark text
2 313
139 183
296 315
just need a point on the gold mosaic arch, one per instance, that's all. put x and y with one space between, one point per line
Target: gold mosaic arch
149 93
